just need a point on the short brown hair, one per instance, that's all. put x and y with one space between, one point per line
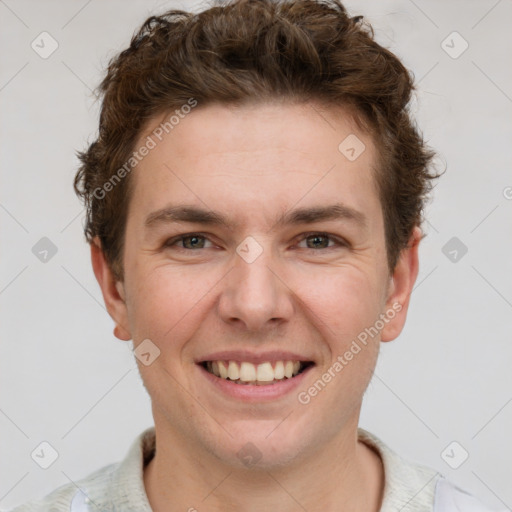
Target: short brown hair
250 51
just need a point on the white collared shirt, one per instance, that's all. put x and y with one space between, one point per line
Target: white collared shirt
119 487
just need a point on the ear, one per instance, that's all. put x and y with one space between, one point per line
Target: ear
400 288
112 290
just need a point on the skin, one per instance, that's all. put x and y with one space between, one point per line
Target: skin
307 295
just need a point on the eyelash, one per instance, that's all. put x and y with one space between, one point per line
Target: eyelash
338 241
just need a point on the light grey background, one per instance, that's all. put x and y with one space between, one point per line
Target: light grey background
66 380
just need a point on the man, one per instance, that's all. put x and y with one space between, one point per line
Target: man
254 203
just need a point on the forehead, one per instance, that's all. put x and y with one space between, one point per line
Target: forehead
257 158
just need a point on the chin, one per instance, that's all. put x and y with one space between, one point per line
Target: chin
257 447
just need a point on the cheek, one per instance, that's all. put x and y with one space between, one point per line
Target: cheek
342 307
165 301
341 303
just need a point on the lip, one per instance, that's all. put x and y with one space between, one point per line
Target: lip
261 357
252 392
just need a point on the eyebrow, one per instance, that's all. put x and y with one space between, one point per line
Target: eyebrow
197 215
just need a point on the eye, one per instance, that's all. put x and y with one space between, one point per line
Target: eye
189 241
195 241
321 241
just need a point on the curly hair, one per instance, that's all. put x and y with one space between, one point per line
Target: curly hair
250 51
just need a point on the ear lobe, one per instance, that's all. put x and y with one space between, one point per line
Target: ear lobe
112 290
400 288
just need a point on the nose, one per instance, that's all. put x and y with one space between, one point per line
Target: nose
255 296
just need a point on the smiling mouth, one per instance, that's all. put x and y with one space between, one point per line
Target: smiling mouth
263 374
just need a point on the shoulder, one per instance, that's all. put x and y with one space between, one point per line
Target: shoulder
70 498
118 486
450 498
418 488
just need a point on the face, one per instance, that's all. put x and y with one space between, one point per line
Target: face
252 238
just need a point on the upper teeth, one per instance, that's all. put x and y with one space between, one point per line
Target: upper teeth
248 372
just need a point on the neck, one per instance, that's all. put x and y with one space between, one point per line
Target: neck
343 474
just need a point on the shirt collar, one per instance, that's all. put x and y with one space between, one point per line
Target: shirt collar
127 491
407 486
